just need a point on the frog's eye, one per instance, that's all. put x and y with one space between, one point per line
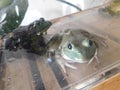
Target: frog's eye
69 46
42 20
90 42
87 43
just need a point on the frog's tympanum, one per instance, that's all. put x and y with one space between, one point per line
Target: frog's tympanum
76 46
29 37
113 8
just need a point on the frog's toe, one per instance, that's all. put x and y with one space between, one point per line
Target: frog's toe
94 57
70 66
91 60
98 61
61 65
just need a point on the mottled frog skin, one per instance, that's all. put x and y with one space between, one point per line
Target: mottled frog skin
113 8
75 46
29 37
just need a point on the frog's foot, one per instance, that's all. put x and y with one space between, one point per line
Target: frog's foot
94 57
63 64
67 65
70 66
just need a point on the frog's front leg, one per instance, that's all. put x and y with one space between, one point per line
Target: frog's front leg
53 55
95 57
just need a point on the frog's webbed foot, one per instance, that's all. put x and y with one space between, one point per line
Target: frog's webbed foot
94 57
70 66
63 64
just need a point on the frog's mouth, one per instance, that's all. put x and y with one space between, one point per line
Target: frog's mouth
73 56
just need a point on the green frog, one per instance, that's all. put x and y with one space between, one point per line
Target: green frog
75 46
113 8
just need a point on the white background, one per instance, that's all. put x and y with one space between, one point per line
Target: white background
50 9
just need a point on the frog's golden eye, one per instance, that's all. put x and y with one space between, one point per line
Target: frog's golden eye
69 46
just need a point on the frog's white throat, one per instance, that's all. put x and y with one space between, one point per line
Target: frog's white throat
79 60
